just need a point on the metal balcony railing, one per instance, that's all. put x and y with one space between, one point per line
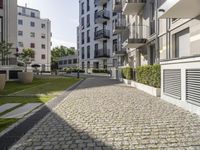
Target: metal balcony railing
102 34
138 33
99 53
8 61
103 14
100 2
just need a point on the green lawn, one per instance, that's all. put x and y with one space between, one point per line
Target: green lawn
4 123
41 90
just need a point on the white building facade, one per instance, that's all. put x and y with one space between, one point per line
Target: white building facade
8 33
35 33
97 43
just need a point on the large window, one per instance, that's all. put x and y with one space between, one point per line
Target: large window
1 4
20 22
88 36
88 5
82 38
32 24
83 53
88 51
182 44
82 8
163 47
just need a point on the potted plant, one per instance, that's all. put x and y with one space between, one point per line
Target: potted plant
4 53
26 58
36 66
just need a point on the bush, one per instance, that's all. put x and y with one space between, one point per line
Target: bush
73 70
149 75
100 71
127 73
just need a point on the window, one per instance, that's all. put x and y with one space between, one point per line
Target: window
32 24
82 38
43 56
69 61
65 62
21 44
32 34
20 22
33 14
75 61
88 36
1 4
83 53
88 64
88 5
82 8
88 20
23 10
20 33
82 23
43 36
88 51
32 45
43 46
43 26
182 44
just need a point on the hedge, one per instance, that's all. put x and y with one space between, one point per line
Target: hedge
74 70
127 73
100 71
149 75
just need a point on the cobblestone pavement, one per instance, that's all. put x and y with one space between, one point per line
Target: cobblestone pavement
102 114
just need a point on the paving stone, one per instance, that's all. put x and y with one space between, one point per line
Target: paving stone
8 106
21 111
104 114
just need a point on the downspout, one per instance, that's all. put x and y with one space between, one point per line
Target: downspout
157 32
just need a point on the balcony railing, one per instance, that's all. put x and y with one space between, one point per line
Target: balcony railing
8 62
131 7
102 34
117 5
120 25
102 53
118 50
100 2
135 36
102 16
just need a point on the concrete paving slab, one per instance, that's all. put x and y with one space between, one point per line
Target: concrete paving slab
21 111
8 106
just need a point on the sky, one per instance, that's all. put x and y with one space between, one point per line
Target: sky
64 18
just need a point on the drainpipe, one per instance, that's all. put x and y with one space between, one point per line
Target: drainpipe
157 32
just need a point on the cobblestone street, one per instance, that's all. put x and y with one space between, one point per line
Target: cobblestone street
103 114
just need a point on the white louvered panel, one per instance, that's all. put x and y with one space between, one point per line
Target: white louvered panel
193 85
172 82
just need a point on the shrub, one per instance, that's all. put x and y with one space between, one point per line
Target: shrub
100 71
127 73
73 70
149 75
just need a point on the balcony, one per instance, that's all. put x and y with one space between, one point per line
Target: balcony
102 53
100 2
120 25
185 9
102 16
135 36
132 7
102 35
119 52
117 6
8 62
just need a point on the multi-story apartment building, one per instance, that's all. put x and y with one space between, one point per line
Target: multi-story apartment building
97 43
166 32
35 32
8 33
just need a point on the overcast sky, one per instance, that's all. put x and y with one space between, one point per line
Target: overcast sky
63 15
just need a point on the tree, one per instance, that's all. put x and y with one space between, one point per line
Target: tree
5 50
26 57
58 52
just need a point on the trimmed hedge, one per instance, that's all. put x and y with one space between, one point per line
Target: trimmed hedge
73 70
100 71
127 73
149 75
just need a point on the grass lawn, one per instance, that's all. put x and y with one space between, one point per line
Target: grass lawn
40 91
4 123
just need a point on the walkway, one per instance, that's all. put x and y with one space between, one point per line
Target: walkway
103 114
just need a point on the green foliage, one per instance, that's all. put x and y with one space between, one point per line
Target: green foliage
100 71
27 56
58 52
5 50
74 70
149 75
127 73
